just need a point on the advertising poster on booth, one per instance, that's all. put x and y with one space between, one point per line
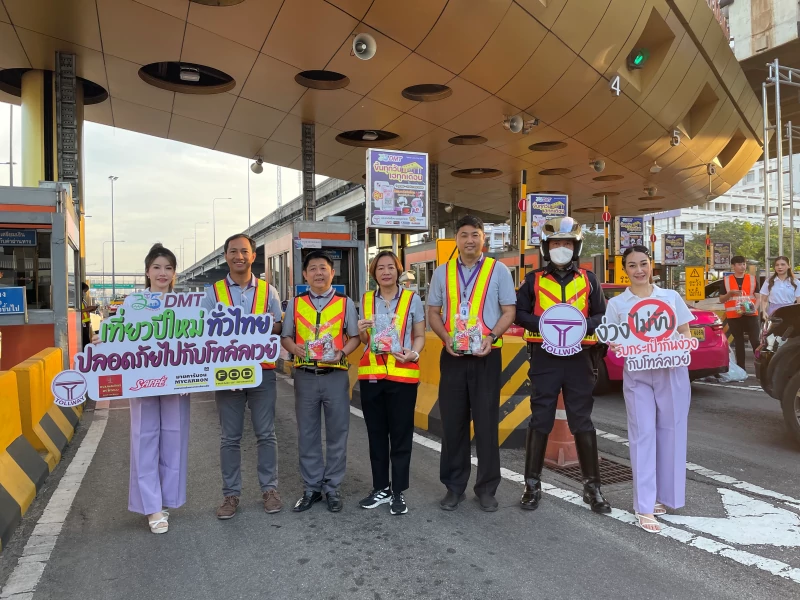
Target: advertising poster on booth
648 338
674 250
722 255
630 232
540 209
159 344
397 190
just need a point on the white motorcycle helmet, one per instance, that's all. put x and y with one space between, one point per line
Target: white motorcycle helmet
561 228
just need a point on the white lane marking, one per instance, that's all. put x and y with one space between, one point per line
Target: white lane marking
718 477
774 567
746 388
28 571
747 522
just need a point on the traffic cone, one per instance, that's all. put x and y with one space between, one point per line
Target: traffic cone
561 451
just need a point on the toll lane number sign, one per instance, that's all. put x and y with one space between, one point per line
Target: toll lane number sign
695 288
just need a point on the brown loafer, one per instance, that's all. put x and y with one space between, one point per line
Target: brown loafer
272 501
228 508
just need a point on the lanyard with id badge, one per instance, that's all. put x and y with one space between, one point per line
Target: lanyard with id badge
467 337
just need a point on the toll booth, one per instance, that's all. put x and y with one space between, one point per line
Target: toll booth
40 279
286 247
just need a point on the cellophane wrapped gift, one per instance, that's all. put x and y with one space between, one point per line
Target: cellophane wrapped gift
322 348
384 338
467 337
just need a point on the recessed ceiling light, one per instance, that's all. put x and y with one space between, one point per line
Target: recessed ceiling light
190 74
655 168
370 136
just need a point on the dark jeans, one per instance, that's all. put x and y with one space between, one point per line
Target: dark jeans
388 408
738 327
470 386
571 375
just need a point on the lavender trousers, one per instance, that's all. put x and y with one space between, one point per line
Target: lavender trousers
657 402
159 453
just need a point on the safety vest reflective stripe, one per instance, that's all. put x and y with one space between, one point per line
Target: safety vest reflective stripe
385 366
747 290
307 320
259 307
547 292
477 299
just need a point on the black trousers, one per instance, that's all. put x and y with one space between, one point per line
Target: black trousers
738 327
388 408
470 386
571 375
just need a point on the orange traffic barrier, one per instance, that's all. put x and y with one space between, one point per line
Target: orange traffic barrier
561 449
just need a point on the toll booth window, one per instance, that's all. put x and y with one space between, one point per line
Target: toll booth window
73 281
423 272
27 264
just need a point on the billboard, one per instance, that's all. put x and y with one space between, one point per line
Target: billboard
630 232
674 248
540 209
397 190
722 255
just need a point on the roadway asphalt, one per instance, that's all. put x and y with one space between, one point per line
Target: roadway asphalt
561 550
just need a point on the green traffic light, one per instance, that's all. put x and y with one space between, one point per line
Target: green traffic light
637 58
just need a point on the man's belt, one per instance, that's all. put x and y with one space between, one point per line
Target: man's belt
317 370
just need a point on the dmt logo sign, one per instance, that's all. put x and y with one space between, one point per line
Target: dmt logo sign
562 327
234 376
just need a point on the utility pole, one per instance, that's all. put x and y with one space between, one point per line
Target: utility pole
280 191
112 179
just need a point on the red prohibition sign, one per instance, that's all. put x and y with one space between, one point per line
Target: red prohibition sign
660 313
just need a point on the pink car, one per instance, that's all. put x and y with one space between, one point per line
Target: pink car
710 358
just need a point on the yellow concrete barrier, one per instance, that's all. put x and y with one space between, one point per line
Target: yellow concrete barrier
22 469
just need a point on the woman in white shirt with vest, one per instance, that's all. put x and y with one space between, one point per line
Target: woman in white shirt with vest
657 403
781 289
389 380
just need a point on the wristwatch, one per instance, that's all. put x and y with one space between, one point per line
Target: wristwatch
493 336
416 359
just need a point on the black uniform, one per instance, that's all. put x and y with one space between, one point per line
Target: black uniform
573 375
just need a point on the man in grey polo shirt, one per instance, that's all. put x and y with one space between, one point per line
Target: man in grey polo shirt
469 384
321 385
241 288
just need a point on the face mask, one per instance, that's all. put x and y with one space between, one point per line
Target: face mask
561 256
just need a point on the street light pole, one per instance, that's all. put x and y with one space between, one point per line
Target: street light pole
104 262
195 238
112 179
214 217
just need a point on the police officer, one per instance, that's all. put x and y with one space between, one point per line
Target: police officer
561 282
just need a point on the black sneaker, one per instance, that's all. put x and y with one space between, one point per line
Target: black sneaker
398 505
376 498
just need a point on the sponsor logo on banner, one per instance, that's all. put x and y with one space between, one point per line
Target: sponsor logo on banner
69 389
191 380
234 376
648 339
110 386
142 384
562 327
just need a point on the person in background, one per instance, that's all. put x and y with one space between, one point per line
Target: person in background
389 380
321 323
242 288
740 307
86 314
159 453
657 403
781 288
476 292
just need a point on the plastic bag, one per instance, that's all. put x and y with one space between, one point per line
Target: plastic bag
322 348
735 372
384 338
745 306
467 339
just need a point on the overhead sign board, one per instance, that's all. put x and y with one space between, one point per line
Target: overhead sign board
12 301
630 232
541 208
695 288
673 248
17 237
722 255
397 190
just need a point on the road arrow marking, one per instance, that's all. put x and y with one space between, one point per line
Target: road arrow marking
748 522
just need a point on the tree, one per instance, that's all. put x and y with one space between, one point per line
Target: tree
592 244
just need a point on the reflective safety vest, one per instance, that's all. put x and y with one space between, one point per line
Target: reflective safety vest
222 291
385 366
548 291
747 290
306 327
476 300
85 317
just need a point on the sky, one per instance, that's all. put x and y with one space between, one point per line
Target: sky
164 191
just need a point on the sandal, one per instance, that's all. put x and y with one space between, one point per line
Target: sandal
159 525
649 524
659 509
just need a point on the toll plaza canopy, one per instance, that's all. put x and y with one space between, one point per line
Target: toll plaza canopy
609 80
